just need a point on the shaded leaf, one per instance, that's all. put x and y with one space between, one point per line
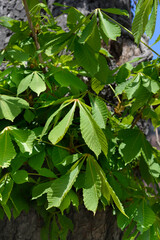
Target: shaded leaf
145 217
86 57
66 78
11 107
21 176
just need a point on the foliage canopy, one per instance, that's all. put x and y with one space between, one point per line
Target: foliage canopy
60 140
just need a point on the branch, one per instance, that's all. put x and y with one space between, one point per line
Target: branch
34 34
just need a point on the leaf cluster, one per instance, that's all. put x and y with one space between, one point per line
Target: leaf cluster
61 143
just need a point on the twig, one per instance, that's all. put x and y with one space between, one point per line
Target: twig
34 34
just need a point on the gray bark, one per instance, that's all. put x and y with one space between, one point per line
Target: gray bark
103 225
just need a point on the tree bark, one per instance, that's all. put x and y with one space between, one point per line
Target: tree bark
103 225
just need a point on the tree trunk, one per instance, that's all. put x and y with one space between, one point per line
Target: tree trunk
103 225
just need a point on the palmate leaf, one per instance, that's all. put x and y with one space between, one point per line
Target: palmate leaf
60 130
92 187
99 111
7 151
11 107
91 132
61 186
109 29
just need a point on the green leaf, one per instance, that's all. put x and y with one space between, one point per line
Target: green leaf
132 144
24 139
37 84
73 17
24 84
29 116
71 159
145 217
11 107
66 78
99 111
7 190
86 57
96 85
58 43
61 186
107 189
65 203
92 187
109 29
41 189
157 40
91 35
37 160
60 130
74 198
66 225
7 211
19 200
45 172
105 53
21 176
116 11
35 81
91 131
7 151
150 28
104 74
64 104
141 18
154 169
12 24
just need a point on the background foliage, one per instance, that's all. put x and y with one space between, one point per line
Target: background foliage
61 143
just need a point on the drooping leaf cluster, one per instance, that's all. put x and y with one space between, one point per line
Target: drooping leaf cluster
61 142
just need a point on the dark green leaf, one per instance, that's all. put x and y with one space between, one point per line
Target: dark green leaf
11 107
